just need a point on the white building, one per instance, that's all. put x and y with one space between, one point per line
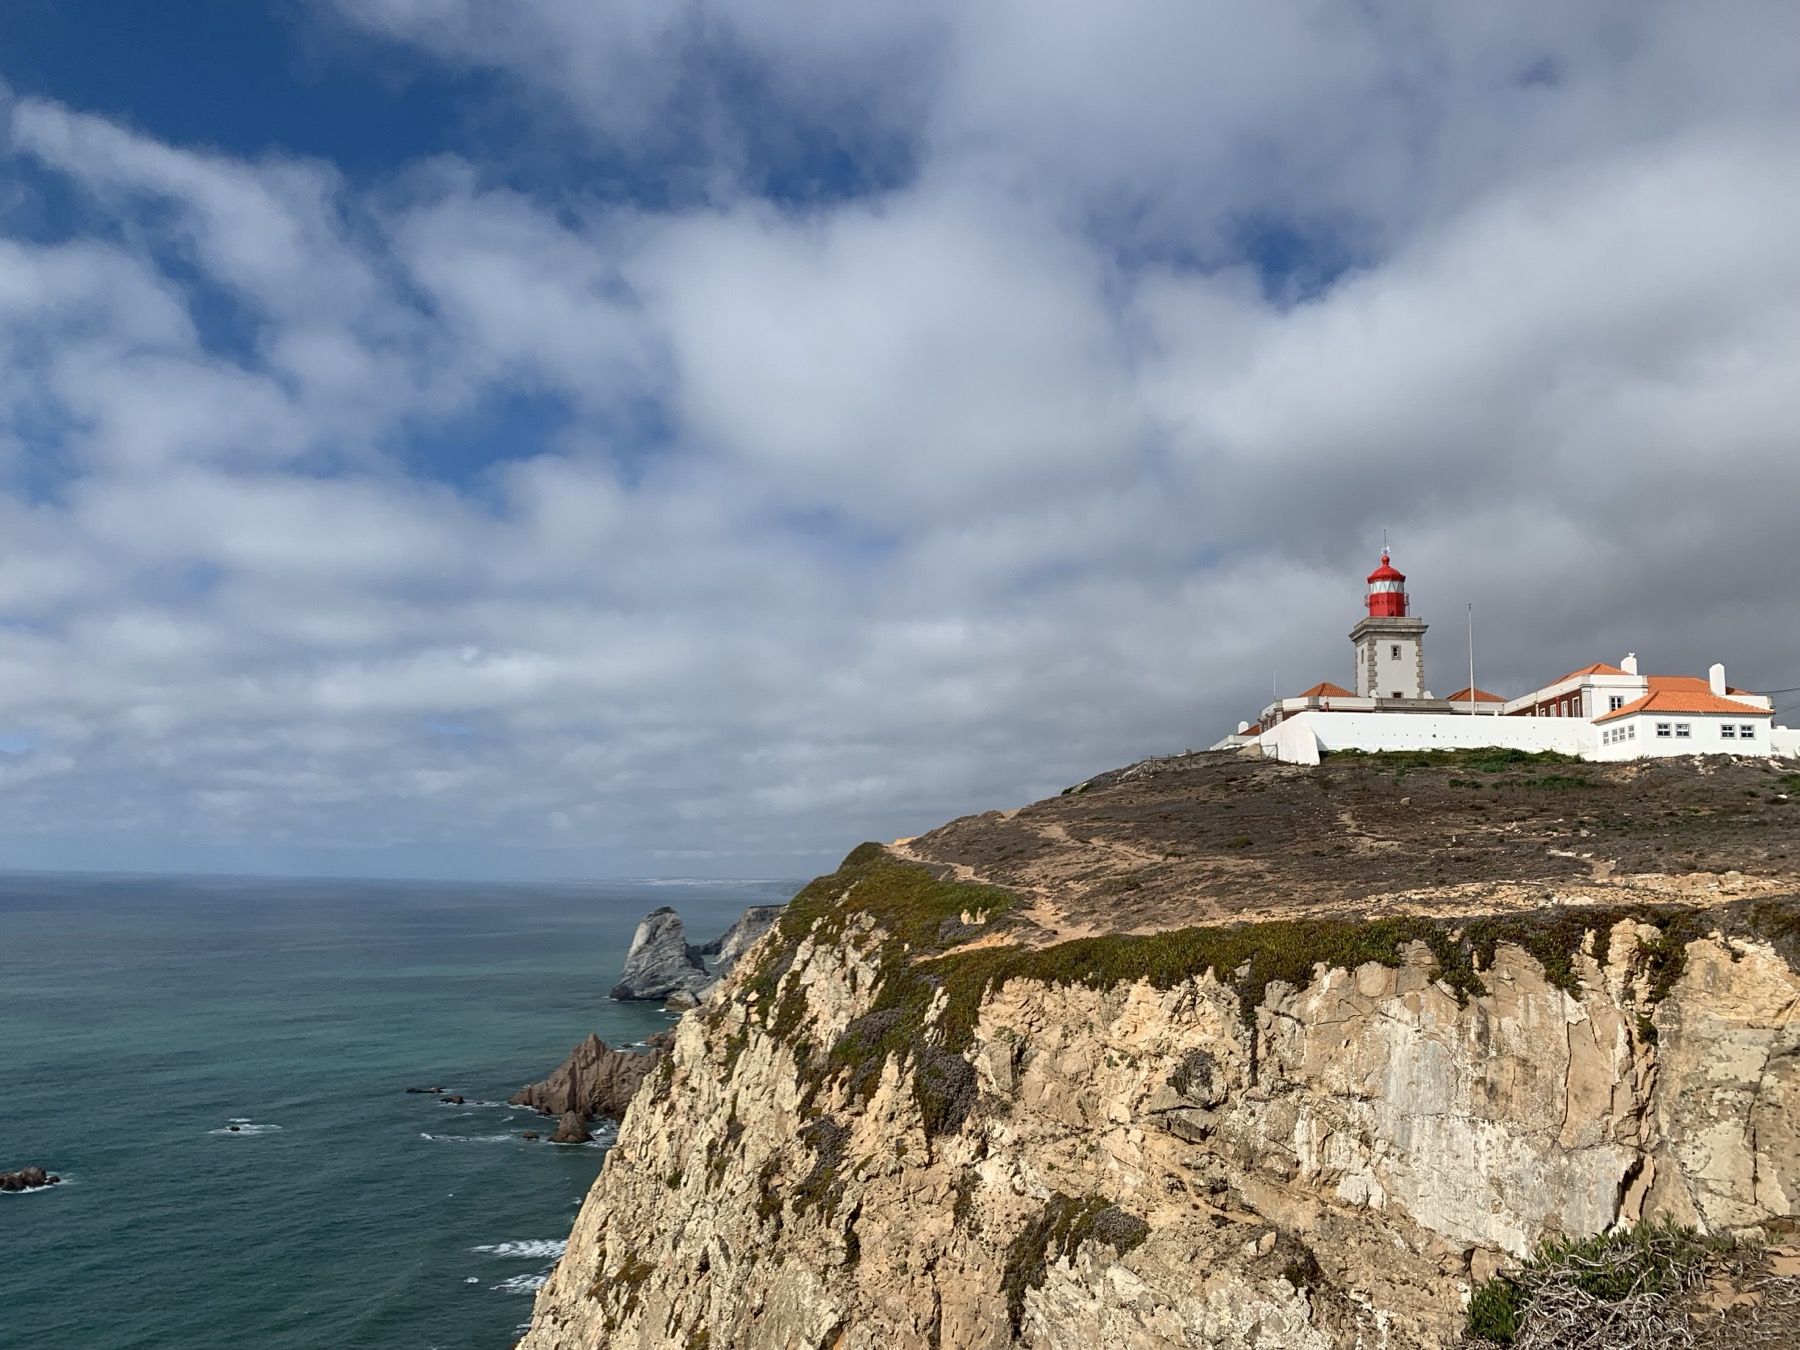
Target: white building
1599 712
1682 717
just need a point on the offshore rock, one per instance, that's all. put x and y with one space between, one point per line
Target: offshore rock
663 965
572 1130
28 1179
661 962
593 1081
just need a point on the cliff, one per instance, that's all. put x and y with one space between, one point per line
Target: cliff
1218 1053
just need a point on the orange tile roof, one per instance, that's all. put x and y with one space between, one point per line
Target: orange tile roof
1598 668
1690 683
1481 696
1326 690
1685 700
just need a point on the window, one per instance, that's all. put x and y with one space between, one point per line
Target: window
1614 702
1394 651
1684 730
1747 730
1664 729
1728 731
1631 731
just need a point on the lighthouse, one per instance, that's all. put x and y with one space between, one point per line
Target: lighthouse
1389 642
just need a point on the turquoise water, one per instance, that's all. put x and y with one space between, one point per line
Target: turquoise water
141 1017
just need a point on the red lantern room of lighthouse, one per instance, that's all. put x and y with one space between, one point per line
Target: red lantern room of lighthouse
1387 591
1390 643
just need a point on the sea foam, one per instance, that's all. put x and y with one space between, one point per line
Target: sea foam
530 1249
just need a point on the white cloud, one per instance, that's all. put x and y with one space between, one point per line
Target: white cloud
846 518
929 355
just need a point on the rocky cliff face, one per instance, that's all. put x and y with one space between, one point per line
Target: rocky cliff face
741 936
918 1116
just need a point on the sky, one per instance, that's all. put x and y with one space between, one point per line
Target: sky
587 438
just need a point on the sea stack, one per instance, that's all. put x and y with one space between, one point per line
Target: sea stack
572 1130
593 1081
661 962
663 966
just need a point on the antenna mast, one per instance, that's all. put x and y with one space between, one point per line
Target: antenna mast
1471 658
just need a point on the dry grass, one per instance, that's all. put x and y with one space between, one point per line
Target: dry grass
1655 1287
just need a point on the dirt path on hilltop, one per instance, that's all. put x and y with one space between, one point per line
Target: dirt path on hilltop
1218 838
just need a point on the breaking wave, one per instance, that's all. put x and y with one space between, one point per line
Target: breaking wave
537 1249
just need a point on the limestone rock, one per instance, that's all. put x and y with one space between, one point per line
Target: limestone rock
741 936
572 1130
1333 1177
1135 1105
663 965
661 962
593 1081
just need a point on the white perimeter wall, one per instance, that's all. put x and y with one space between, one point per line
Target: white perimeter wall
1300 739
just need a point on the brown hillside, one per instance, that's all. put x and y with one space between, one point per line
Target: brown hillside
1219 838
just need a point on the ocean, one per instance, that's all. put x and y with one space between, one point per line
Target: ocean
141 1018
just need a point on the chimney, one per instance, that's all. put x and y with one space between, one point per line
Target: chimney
1715 676
1629 664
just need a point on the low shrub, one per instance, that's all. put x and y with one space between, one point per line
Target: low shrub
1058 1232
1613 1289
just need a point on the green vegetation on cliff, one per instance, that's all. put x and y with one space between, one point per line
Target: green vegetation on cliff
930 976
1066 1223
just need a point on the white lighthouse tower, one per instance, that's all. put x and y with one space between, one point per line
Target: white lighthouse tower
1390 643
